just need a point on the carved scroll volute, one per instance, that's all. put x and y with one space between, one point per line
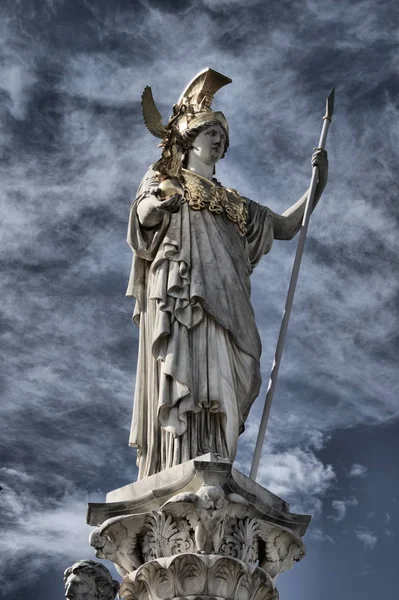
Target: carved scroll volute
278 549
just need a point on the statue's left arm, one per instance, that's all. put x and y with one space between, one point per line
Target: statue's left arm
287 225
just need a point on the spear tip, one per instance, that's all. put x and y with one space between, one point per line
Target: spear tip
330 104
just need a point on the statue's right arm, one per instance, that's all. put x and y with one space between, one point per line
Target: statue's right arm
151 211
149 217
147 203
148 211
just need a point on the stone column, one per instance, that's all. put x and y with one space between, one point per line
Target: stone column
197 530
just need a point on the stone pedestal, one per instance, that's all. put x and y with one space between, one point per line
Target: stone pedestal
198 530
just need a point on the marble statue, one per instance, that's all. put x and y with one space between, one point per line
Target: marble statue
195 244
89 580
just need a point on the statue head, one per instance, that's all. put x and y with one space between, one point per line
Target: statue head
211 497
192 116
89 580
208 142
197 121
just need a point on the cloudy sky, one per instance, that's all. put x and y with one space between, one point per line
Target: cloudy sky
73 149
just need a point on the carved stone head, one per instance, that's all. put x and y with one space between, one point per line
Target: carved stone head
89 580
211 497
209 142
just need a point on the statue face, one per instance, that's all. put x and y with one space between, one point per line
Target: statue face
80 586
209 145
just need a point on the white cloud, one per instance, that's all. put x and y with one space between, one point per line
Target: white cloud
16 81
389 533
320 536
357 470
7 473
41 529
298 476
341 507
368 539
230 4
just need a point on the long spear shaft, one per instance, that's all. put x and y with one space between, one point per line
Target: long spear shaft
291 291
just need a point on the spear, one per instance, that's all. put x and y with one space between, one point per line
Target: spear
291 291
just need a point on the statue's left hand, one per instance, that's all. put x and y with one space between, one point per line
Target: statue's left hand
320 160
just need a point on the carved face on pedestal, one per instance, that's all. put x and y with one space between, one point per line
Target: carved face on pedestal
80 586
209 145
89 580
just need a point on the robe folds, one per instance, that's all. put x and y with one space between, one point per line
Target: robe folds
199 348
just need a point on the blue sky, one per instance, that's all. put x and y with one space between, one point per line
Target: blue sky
73 149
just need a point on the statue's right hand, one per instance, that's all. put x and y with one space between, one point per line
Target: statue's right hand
172 204
151 210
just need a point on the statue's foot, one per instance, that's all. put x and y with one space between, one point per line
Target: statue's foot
221 458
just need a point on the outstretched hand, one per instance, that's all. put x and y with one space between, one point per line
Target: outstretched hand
151 210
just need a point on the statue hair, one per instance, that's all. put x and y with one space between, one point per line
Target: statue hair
106 586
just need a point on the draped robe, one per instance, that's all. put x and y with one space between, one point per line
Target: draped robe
199 349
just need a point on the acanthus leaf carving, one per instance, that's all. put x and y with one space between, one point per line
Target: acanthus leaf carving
209 522
241 539
166 536
190 576
134 590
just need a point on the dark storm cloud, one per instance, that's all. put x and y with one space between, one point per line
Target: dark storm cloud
73 150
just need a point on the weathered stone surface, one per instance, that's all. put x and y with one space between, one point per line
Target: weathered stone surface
152 492
191 576
89 580
213 516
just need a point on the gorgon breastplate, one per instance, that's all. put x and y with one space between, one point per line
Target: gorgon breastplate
201 193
